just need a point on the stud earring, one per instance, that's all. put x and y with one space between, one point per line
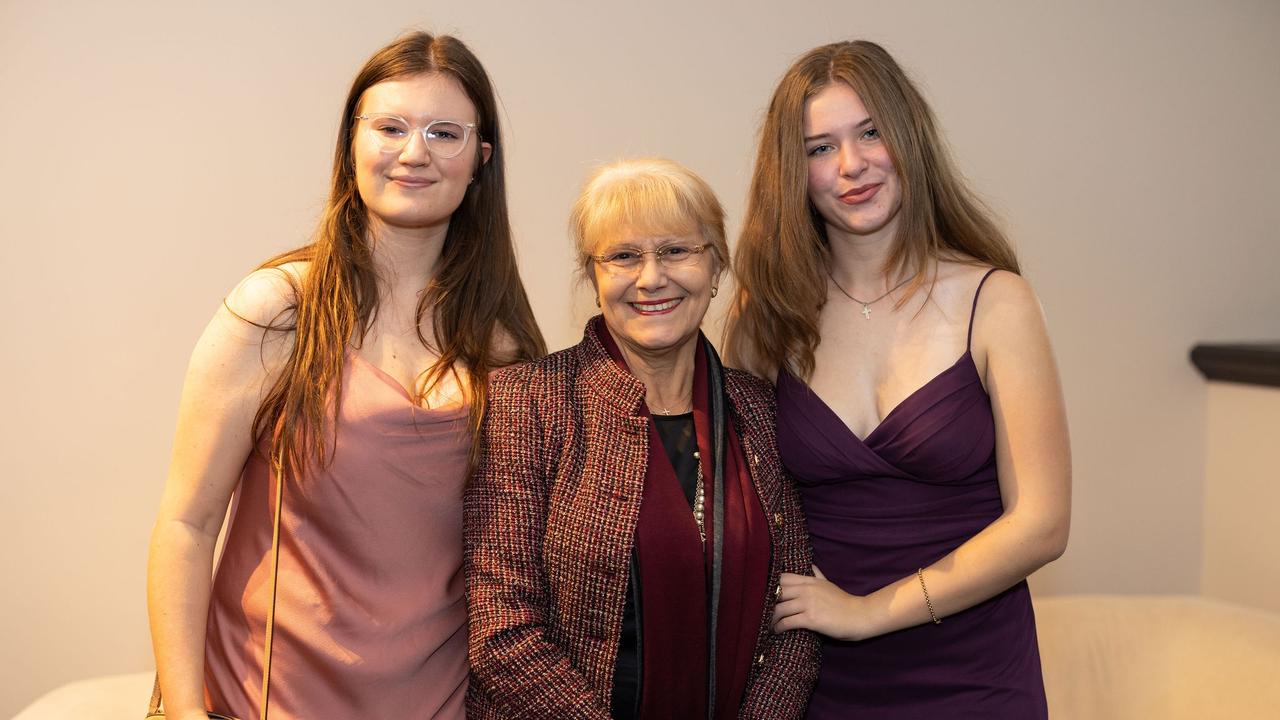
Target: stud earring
598 301
714 290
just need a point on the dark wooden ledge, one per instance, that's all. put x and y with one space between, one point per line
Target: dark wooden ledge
1252 364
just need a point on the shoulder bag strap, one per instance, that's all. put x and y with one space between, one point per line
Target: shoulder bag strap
715 383
153 708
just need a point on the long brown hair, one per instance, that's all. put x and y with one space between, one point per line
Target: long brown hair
475 296
782 257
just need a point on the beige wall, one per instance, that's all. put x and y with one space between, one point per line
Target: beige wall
1242 496
154 152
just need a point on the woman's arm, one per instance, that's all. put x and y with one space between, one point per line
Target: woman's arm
784 679
1033 457
516 671
227 376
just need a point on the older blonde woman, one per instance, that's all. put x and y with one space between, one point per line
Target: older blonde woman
629 520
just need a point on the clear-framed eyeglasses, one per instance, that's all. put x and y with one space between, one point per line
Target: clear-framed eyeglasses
629 261
444 138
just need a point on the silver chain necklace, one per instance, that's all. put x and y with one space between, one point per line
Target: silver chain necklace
866 304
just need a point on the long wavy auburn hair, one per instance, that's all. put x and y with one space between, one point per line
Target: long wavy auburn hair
783 254
474 297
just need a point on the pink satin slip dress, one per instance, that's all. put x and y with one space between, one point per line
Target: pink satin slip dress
370 618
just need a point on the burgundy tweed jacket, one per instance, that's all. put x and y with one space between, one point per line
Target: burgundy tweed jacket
549 524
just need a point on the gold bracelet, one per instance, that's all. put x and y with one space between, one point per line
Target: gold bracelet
928 603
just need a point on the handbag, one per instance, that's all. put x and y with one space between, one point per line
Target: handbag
154 709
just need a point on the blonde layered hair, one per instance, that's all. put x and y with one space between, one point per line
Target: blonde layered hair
783 255
645 196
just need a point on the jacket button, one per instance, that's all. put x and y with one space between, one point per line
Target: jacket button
755 459
777 519
760 659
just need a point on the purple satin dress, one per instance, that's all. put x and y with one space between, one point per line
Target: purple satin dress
921 484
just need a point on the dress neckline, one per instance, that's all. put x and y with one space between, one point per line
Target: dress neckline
918 392
399 388
897 410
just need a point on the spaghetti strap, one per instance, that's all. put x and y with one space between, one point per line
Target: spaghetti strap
968 345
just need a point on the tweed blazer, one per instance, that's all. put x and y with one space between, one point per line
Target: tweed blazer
549 526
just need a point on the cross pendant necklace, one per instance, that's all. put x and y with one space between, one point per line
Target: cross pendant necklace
866 304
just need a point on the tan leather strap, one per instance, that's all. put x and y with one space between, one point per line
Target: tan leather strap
275 576
153 708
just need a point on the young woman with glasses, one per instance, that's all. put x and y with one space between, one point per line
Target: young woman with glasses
356 367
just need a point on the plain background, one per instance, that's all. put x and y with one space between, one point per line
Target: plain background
154 152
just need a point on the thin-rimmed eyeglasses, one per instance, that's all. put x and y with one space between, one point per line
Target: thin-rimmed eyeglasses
444 138
630 260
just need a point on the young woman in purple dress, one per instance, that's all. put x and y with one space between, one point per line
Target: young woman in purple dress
919 406
357 366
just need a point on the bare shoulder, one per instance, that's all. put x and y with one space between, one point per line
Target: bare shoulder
1008 296
740 352
253 326
958 277
747 364
953 284
267 297
1009 324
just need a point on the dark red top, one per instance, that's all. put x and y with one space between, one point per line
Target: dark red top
674 572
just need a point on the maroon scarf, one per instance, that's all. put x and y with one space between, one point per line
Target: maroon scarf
674 570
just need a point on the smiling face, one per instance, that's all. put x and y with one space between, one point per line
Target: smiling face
655 310
411 189
852 180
